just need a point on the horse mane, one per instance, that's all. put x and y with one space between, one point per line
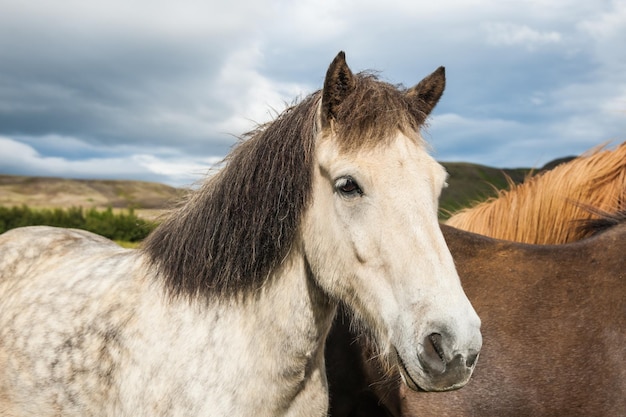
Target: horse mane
240 225
547 208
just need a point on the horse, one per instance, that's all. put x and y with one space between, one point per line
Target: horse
226 307
545 208
553 326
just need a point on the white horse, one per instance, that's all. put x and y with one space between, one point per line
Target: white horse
226 308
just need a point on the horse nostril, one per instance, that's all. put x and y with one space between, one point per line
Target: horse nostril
446 367
435 340
471 359
434 357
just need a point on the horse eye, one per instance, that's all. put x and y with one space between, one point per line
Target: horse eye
348 187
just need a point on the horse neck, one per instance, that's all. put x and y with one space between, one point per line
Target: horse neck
292 317
290 302
292 298
276 333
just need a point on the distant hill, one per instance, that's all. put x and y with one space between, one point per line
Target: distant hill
556 162
467 184
147 198
471 183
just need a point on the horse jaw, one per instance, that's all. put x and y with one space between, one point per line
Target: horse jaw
383 254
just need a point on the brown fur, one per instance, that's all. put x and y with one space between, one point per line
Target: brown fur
553 324
241 224
543 209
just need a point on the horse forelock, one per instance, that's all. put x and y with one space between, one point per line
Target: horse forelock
234 231
375 112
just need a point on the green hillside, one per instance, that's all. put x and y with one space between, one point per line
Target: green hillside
469 183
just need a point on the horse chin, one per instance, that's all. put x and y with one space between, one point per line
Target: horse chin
406 376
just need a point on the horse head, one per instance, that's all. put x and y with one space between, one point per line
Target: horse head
371 235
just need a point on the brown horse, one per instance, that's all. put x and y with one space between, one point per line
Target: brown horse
541 209
554 320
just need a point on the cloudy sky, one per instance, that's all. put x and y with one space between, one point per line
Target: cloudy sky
159 90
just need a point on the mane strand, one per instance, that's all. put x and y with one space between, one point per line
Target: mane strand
604 221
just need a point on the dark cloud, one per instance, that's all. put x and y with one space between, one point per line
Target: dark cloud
150 90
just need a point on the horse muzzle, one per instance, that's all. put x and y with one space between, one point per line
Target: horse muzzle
440 371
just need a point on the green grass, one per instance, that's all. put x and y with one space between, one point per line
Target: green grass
128 245
123 226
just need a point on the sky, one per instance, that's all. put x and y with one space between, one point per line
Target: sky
161 90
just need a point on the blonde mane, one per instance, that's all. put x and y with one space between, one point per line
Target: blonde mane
548 208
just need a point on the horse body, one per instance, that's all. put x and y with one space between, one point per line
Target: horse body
226 308
48 318
107 342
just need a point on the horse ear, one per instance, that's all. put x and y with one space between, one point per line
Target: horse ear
428 91
338 84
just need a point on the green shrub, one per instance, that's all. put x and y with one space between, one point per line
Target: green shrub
116 226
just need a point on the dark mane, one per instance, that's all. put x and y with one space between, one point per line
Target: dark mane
604 221
241 224
376 111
